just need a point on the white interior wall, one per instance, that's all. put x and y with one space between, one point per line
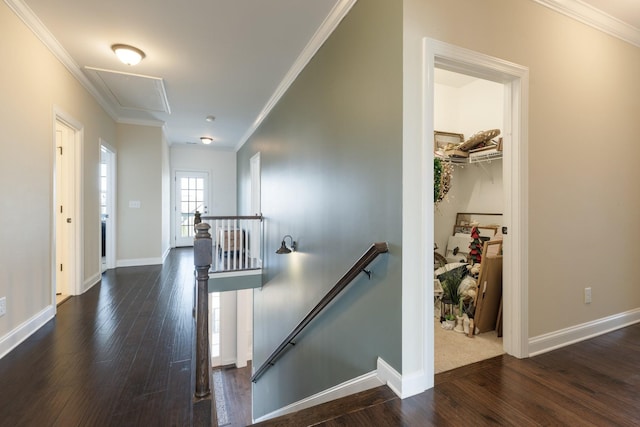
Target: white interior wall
221 167
473 107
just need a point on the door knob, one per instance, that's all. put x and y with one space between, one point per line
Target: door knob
68 220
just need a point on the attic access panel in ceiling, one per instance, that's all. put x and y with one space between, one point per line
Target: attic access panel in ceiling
132 91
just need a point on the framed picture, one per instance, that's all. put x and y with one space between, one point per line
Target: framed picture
442 139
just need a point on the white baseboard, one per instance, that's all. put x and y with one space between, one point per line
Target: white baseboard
384 374
564 337
138 262
25 330
165 254
91 282
355 385
389 376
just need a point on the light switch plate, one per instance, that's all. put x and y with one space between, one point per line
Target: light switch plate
3 306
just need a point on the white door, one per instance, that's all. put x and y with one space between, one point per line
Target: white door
192 195
64 209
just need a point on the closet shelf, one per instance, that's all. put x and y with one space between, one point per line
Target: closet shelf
479 157
485 156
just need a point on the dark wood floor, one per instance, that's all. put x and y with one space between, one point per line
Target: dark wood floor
121 355
592 383
118 355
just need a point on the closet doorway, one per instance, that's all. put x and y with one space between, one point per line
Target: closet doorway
468 109
515 81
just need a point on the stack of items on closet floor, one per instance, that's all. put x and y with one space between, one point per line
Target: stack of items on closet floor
469 289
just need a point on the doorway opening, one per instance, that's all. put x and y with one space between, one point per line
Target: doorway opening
107 206
231 312
67 245
514 79
192 194
466 107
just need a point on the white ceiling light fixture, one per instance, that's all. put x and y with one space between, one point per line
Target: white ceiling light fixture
128 54
206 140
210 118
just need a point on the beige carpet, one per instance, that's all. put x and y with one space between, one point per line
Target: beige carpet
453 349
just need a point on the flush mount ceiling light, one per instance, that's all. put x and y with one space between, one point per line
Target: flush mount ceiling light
206 140
210 118
128 54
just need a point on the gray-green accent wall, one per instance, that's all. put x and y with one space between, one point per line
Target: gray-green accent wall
331 177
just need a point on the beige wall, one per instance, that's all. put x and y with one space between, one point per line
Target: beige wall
140 179
32 82
583 202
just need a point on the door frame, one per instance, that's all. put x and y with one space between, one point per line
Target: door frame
418 318
76 251
112 180
176 211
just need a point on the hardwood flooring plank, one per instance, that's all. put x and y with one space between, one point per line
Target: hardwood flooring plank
106 359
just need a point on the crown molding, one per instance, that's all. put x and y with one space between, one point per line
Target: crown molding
595 18
327 27
34 23
141 122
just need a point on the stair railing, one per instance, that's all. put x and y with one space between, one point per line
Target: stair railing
231 228
357 268
236 241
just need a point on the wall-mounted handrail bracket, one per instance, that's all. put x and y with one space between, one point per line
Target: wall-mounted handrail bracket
360 266
367 272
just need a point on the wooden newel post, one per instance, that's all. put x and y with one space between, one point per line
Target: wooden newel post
202 257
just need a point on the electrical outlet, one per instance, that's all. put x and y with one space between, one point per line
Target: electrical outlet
3 306
587 295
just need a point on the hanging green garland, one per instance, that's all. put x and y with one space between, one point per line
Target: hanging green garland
442 172
437 176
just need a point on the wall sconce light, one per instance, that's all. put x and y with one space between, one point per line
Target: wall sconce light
206 140
128 54
283 246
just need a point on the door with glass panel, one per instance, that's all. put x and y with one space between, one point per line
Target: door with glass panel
192 195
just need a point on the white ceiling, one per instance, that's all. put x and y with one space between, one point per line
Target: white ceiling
228 58
224 58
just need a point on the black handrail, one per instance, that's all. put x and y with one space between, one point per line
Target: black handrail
357 268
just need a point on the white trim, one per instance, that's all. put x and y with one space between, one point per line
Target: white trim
417 295
112 205
77 249
40 30
595 18
91 282
138 262
25 330
573 334
363 382
166 254
239 273
141 122
389 376
327 27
